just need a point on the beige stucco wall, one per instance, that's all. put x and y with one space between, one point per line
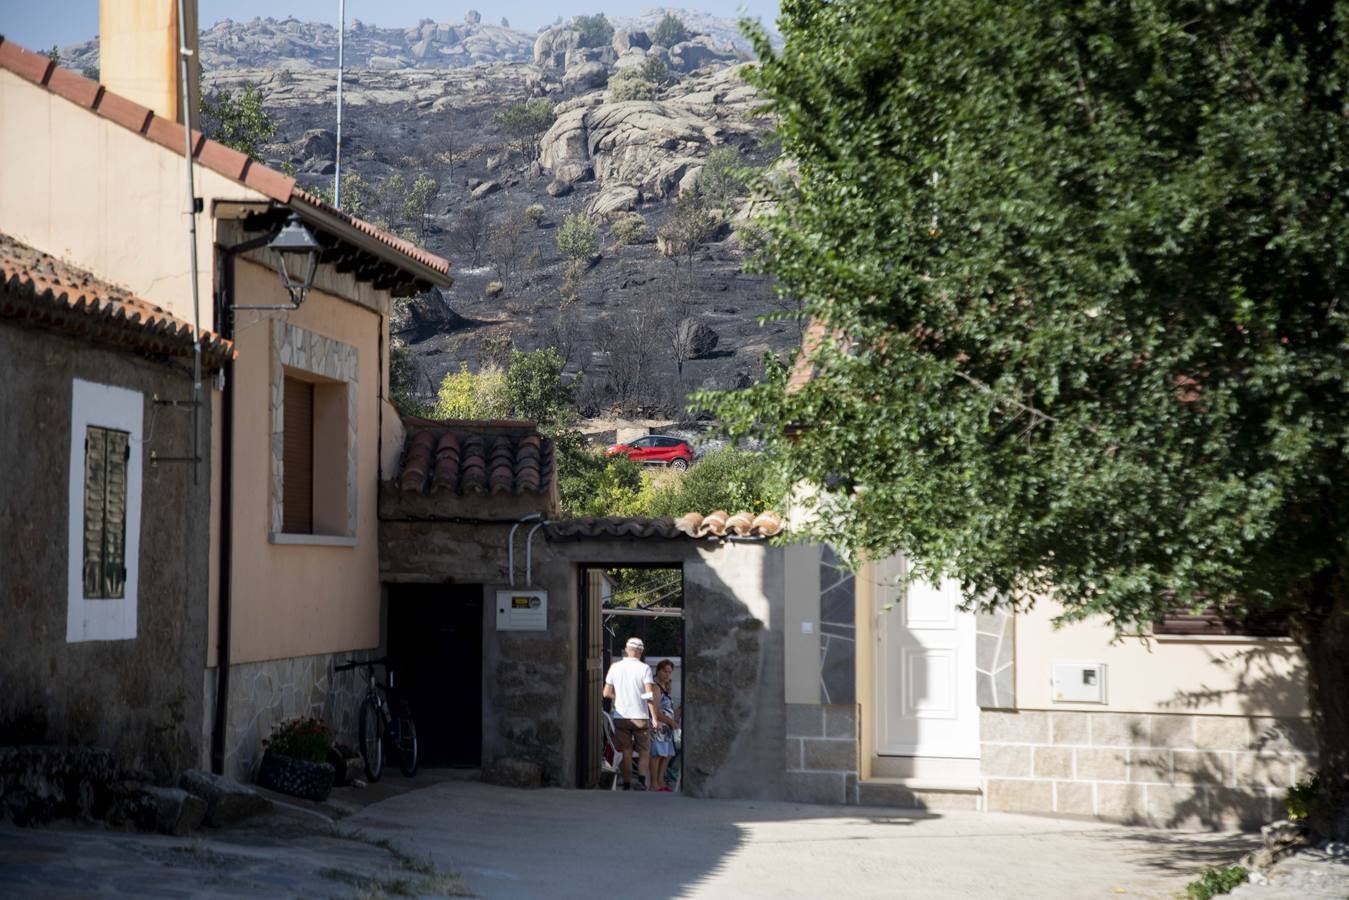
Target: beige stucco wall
89 191
294 599
1226 676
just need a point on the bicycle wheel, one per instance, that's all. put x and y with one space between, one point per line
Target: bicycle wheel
407 744
372 739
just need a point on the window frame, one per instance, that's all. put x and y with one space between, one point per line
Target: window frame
116 409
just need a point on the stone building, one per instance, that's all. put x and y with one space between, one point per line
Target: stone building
290 582
104 518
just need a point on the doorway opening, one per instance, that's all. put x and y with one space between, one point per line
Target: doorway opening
435 635
618 603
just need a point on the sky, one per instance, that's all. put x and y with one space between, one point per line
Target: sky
38 24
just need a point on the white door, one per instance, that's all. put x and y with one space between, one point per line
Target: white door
925 687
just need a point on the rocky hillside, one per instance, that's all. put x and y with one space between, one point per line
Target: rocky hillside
645 318
289 43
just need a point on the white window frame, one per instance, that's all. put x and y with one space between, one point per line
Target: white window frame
105 406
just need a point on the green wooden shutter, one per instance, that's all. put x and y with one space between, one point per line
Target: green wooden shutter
107 455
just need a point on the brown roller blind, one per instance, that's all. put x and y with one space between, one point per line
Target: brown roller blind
297 499
1222 621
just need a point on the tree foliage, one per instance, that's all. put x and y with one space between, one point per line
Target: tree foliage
237 120
596 31
535 390
473 395
721 179
670 30
417 202
591 484
403 384
525 123
1079 269
579 237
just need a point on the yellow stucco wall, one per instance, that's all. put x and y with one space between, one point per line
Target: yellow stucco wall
138 52
1225 676
91 192
300 600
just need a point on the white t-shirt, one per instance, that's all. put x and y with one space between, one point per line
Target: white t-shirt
630 676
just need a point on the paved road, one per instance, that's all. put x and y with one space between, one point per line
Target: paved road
596 844
599 845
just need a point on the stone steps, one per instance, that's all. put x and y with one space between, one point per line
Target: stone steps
910 793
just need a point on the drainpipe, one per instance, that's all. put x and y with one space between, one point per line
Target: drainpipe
224 317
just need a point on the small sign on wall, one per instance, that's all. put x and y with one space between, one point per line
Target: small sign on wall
522 610
1078 682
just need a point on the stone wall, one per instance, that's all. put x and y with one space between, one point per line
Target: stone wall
1168 770
821 753
263 694
139 696
735 720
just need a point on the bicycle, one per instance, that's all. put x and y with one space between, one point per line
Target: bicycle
383 720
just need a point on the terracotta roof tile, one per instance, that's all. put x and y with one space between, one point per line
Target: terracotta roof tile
714 526
449 457
40 70
44 290
75 87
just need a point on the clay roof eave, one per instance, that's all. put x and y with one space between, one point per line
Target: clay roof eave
423 266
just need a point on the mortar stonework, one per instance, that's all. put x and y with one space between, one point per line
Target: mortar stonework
139 697
263 694
821 753
1165 770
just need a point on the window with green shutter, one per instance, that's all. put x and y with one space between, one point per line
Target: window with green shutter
107 453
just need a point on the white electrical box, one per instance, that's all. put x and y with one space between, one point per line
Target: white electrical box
1079 682
522 610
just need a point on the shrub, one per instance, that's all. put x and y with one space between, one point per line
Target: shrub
595 30
578 238
591 484
524 123
670 31
469 395
630 229
304 738
1302 796
1215 882
728 479
628 84
534 213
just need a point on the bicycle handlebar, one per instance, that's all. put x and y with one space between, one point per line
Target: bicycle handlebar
356 663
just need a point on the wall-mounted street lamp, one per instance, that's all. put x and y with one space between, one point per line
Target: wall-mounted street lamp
295 253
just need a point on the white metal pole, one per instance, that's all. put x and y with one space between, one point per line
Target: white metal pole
337 168
184 69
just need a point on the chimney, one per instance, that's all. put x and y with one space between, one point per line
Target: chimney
138 53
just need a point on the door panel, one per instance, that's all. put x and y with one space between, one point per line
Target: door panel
925 680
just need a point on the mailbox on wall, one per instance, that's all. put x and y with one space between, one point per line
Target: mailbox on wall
522 610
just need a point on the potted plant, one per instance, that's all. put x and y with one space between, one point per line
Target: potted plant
295 760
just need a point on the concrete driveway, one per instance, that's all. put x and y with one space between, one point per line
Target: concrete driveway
599 845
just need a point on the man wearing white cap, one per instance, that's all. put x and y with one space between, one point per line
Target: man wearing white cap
632 688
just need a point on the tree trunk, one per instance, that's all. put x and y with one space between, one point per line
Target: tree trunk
1323 633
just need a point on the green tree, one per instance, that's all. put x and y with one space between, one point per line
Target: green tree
54 54
237 120
720 181
525 123
403 384
473 395
595 30
1079 268
417 202
670 31
535 389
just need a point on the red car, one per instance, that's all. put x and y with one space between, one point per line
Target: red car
656 450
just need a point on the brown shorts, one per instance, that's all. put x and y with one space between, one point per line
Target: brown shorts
632 731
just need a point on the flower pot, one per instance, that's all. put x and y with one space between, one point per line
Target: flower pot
297 777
